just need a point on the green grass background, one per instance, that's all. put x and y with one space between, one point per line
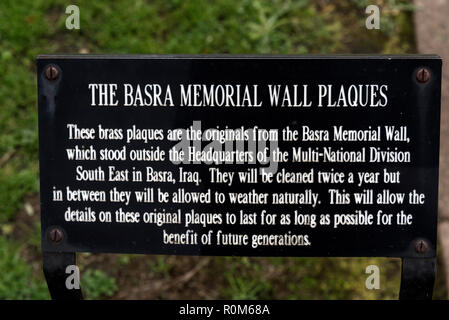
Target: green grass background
29 28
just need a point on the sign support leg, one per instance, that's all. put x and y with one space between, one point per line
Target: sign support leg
55 264
417 278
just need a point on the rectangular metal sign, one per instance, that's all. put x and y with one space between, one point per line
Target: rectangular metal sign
240 155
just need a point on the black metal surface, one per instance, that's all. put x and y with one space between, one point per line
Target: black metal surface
417 105
55 265
417 278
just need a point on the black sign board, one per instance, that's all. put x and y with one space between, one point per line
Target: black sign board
237 155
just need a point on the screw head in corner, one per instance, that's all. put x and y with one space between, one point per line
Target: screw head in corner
56 235
421 246
51 73
422 75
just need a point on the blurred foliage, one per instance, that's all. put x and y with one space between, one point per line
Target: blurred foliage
245 280
396 33
16 280
97 284
33 27
161 266
13 186
308 278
